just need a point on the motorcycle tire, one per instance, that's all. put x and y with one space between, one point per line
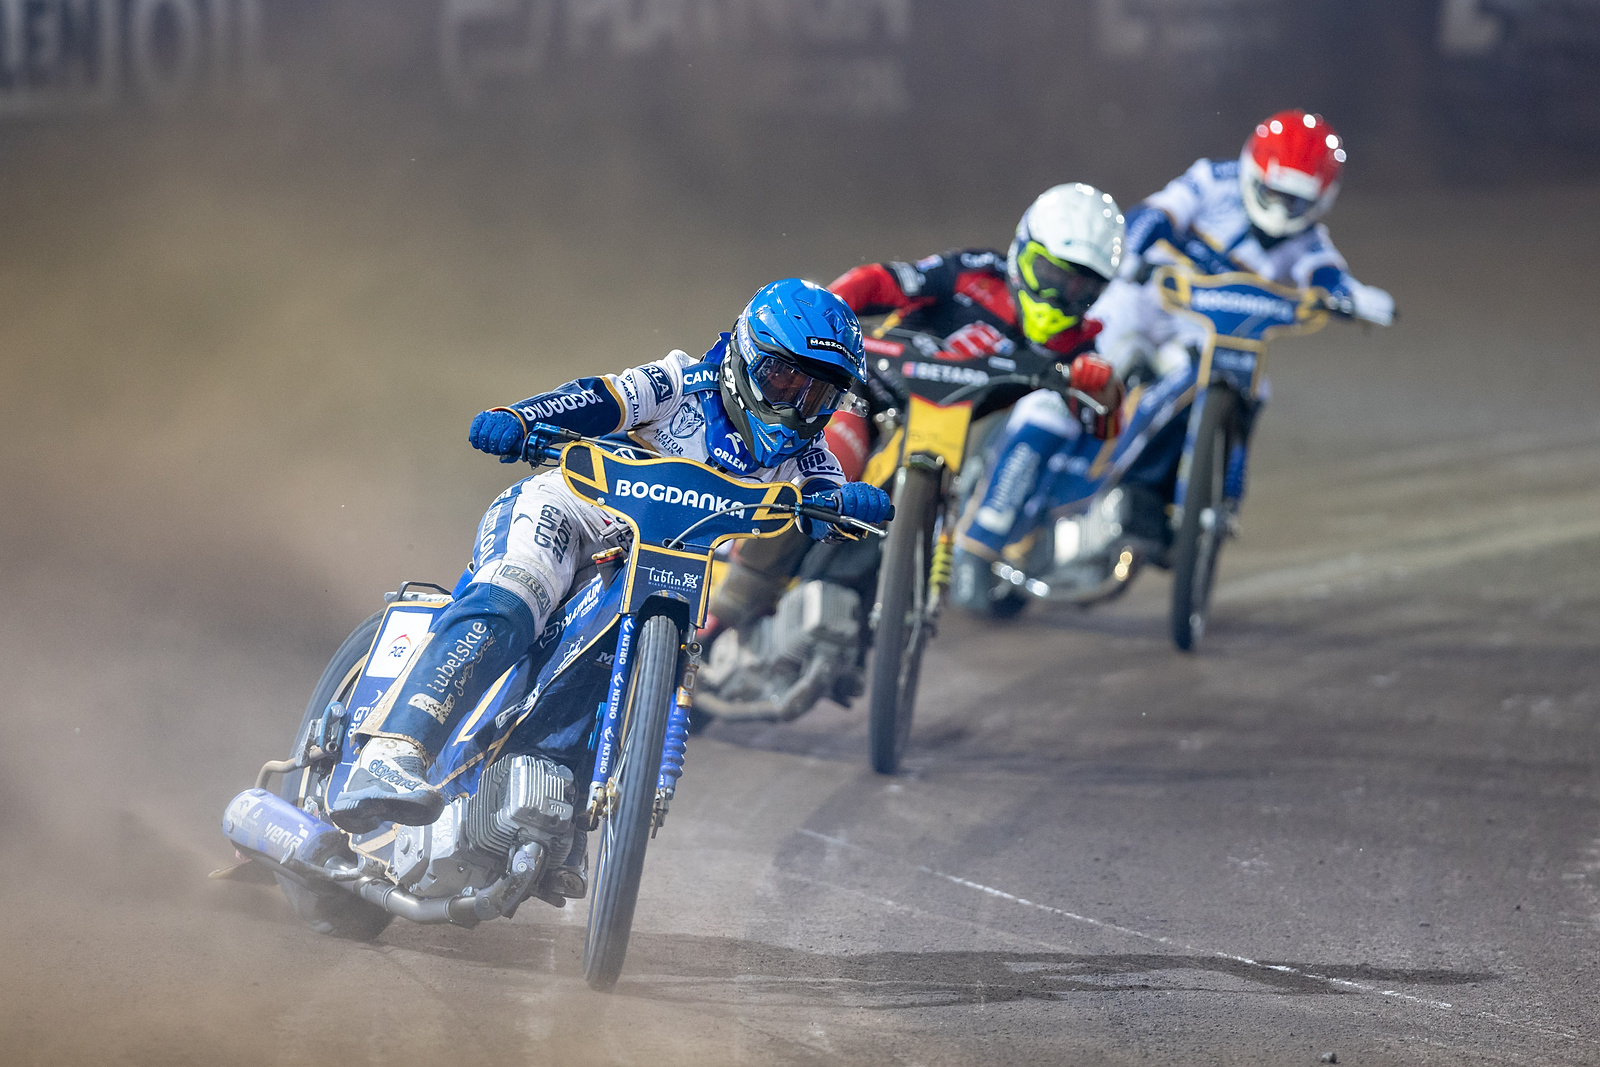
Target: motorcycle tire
1198 544
902 631
623 835
333 912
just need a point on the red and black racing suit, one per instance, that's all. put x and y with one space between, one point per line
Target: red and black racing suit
960 296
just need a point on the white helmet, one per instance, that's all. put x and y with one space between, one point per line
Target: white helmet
1068 246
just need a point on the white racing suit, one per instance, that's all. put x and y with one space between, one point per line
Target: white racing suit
537 534
1200 213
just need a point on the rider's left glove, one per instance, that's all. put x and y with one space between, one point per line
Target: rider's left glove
500 433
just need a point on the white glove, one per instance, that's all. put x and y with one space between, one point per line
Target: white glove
1371 303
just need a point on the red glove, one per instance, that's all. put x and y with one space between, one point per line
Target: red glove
1093 376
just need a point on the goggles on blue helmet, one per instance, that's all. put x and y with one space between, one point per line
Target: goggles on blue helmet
786 391
782 384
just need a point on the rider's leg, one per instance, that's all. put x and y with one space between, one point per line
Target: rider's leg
1038 428
526 555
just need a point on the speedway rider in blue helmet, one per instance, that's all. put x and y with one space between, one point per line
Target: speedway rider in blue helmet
754 406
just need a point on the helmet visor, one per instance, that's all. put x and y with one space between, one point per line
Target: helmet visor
782 384
1292 206
1067 287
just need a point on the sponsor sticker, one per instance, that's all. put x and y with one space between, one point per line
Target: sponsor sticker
402 632
662 577
550 405
699 377
813 460
1237 303
687 423
672 494
660 384
942 372
828 344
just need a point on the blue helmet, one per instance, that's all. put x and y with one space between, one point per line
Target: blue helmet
795 351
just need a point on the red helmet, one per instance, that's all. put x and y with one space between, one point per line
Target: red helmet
1289 172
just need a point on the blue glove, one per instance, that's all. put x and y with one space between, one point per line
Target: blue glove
857 500
498 433
863 501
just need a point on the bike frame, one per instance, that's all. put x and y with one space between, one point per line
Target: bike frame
679 511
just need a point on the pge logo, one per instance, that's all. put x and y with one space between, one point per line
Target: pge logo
84 55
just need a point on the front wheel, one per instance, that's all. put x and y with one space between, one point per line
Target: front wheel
626 831
1198 543
903 624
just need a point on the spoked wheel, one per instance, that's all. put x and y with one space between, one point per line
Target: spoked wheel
625 833
334 912
1198 544
903 626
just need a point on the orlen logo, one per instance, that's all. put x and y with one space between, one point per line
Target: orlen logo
672 494
1253 304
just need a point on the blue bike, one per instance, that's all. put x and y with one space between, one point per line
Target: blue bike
602 697
1074 550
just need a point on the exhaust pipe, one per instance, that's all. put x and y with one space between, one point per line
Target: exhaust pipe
270 830
794 702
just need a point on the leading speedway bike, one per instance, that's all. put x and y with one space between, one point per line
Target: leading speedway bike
1073 551
602 696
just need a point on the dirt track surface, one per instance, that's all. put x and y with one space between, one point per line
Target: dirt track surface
1364 820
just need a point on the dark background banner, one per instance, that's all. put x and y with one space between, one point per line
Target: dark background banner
740 101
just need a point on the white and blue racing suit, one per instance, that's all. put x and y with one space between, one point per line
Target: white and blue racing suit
538 533
1201 214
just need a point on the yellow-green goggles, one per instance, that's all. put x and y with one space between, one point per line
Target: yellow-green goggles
1065 286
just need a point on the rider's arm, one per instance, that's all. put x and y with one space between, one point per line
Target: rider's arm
608 404
1166 214
815 470
1322 267
878 288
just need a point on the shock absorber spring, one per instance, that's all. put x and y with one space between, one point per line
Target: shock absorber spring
940 566
676 748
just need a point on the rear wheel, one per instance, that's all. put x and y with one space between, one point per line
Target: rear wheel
903 625
1198 544
625 833
333 912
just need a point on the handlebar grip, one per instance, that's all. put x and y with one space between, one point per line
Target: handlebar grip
822 514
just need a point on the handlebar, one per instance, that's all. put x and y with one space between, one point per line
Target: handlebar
822 514
544 443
